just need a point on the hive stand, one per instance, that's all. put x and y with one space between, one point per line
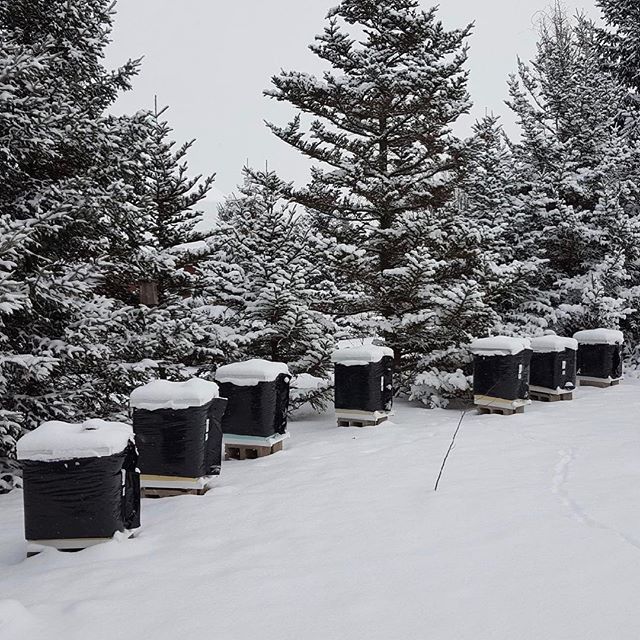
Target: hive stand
239 447
501 411
549 395
352 418
169 486
499 406
34 547
601 383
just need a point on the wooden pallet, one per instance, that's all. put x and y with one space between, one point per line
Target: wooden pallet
355 418
501 411
250 451
171 492
600 384
358 422
541 396
34 547
156 486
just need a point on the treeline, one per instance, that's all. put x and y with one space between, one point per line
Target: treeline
404 230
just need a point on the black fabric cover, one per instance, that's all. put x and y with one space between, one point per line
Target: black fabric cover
81 498
365 387
556 370
600 361
185 443
256 410
505 377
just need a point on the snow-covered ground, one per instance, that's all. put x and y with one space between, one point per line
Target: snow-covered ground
533 534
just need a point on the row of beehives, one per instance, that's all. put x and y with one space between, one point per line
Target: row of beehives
508 372
83 482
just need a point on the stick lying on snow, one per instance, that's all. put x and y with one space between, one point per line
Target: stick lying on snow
451 445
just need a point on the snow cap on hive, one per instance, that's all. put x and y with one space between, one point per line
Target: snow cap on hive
163 394
499 346
65 441
599 336
360 355
553 343
251 372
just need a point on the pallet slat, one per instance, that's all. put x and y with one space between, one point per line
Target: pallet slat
171 492
34 547
350 418
541 396
600 384
236 451
501 411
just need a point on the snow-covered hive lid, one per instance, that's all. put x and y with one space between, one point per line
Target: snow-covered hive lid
360 355
499 346
553 343
599 336
251 372
93 438
164 394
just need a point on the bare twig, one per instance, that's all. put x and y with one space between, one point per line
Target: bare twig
451 445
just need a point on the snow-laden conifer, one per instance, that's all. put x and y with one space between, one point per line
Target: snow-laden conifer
272 281
576 173
378 127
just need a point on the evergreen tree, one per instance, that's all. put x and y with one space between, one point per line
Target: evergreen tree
387 168
90 212
161 254
271 279
488 196
577 183
54 198
620 43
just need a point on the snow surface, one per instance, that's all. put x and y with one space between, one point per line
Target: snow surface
64 441
163 394
251 372
599 336
360 355
499 346
552 343
534 534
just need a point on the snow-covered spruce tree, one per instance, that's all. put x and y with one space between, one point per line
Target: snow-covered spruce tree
62 188
14 299
620 42
24 96
487 196
378 126
272 281
577 181
158 324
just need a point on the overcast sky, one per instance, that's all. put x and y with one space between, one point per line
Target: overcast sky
210 60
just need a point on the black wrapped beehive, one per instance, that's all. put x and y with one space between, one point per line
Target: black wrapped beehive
258 395
501 368
363 381
599 356
553 365
178 430
81 484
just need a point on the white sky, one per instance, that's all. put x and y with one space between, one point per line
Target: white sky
210 60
